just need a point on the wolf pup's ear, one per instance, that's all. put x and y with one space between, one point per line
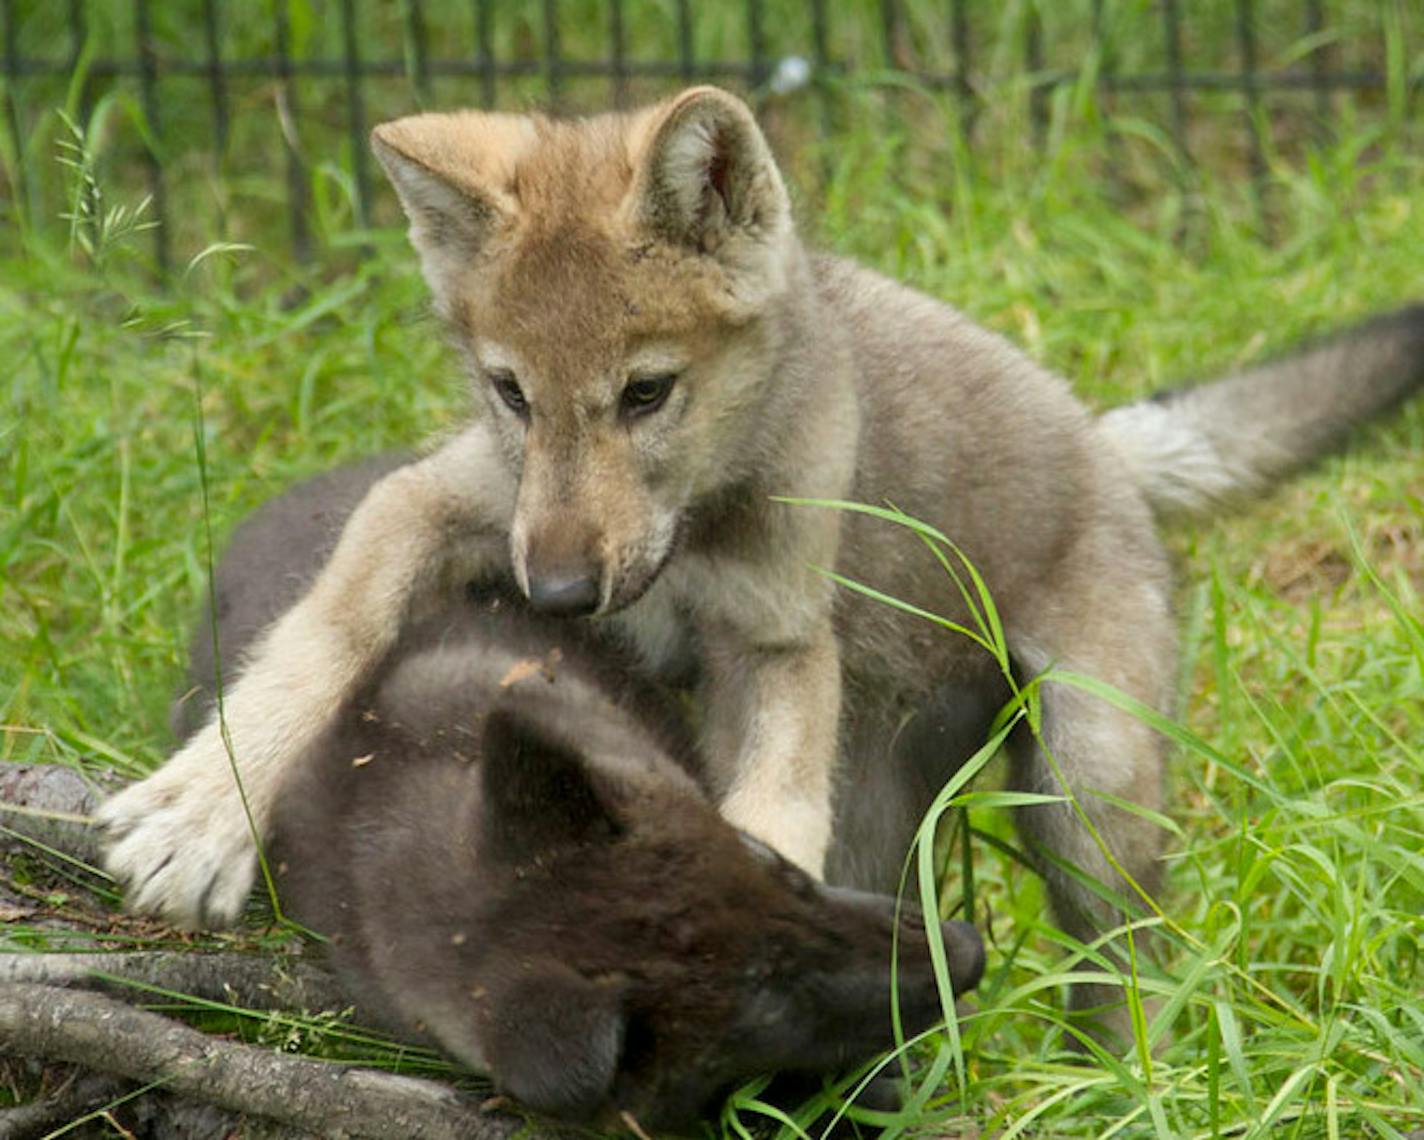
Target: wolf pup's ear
441 166
538 794
708 181
554 1038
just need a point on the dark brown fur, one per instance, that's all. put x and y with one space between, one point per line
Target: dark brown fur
527 872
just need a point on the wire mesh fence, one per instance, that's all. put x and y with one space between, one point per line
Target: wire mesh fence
232 111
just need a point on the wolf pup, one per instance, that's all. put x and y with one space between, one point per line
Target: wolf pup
656 359
505 837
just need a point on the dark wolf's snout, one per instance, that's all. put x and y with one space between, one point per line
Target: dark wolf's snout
963 945
964 950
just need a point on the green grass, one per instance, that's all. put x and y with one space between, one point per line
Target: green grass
1293 938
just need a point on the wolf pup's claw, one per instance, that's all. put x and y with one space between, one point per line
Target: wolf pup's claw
179 840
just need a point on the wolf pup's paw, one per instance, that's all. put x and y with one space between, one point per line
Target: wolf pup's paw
796 828
179 840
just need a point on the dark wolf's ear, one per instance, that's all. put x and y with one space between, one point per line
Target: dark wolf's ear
708 181
554 1039
538 792
447 171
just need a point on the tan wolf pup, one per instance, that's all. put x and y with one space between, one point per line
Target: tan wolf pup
655 356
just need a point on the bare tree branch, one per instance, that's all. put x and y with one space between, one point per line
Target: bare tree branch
51 805
108 1036
78 1093
63 1097
247 980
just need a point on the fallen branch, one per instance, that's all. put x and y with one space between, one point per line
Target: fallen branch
77 1095
107 1036
49 805
246 980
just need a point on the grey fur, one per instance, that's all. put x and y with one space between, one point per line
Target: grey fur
1194 449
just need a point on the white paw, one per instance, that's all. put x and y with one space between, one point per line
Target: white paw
179 841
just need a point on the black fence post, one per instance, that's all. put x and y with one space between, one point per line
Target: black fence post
686 65
892 36
1176 81
959 40
553 60
1106 49
217 93
217 78
355 112
1246 40
617 53
1033 60
288 112
484 51
820 69
148 88
756 44
78 40
1319 65
419 49
24 200
78 37
820 36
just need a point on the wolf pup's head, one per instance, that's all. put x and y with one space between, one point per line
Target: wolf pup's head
649 956
610 281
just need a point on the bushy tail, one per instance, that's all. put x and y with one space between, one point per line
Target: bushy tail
1193 449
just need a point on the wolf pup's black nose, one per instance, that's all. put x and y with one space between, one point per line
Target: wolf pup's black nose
567 595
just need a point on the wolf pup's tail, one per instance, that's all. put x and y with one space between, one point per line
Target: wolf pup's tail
1193 449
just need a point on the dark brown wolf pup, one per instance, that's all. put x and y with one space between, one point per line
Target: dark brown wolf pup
506 837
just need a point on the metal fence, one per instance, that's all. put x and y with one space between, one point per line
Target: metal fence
193 70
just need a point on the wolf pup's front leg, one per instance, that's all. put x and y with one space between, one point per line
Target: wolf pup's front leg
771 684
184 839
773 711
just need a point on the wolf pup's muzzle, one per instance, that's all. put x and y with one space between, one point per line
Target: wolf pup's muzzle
567 595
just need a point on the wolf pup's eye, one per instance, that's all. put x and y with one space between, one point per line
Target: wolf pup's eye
508 389
645 394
